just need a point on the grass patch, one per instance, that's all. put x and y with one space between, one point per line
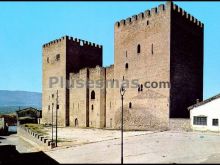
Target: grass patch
62 140
37 128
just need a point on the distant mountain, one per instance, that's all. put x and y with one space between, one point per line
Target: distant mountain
20 98
10 101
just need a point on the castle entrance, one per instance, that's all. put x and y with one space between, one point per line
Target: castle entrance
76 122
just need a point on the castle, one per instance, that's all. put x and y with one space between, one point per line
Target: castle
164 44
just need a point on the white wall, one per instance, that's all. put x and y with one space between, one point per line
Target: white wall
211 110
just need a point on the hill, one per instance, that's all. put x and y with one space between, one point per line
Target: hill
10 101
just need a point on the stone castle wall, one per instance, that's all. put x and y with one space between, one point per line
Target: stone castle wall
186 62
151 31
74 54
162 45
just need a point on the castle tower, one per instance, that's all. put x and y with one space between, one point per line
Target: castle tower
60 58
162 48
87 103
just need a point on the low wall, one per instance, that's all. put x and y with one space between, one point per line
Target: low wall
179 124
38 139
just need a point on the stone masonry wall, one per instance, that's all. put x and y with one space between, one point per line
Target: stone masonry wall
97 112
151 30
54 68
74 55
110 97
186 62
79 99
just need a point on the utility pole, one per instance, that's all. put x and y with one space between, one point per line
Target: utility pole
122 92
56 115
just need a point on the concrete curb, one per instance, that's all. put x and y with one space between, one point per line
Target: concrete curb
35 137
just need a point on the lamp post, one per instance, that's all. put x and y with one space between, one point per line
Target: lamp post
122 92
56 115
52 122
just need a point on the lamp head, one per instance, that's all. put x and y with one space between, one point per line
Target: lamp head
122 90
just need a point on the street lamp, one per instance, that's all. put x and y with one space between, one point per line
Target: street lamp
122 92
52 122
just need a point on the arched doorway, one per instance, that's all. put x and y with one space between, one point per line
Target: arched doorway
76 122
93 95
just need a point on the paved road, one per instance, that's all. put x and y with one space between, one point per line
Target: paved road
22 145
162 147
24 153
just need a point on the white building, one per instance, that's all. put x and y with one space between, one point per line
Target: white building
205 115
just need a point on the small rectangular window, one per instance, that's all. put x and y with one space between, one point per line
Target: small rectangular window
139 48
199 120
130 105
215 122
126 66
48 60
152 49
58 57
58 106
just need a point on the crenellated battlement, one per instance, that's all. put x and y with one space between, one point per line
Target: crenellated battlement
147 14
156 11
81 74
186 15
97 69
76 40
110 66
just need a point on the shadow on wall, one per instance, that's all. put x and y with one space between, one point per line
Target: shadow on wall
9 155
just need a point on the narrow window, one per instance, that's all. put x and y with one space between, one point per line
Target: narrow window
126 66
93 95
138 48
147 22
52 95
48 59
215 122
141 88
152 49
123 77
48 107
58 106
130 105
92 107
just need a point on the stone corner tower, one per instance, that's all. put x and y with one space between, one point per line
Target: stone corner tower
60 58
164 44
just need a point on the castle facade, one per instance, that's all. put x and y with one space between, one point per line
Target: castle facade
161 45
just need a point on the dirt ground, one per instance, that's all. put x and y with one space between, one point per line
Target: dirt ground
69 136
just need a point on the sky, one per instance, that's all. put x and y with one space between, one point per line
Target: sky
26 26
